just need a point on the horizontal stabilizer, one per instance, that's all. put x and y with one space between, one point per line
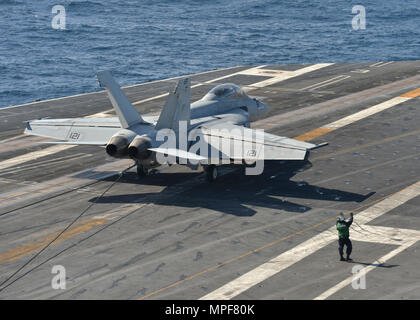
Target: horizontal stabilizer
90 143
178 153
84 131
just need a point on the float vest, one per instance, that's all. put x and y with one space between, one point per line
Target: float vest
343 229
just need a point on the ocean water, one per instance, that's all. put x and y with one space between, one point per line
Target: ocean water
148 40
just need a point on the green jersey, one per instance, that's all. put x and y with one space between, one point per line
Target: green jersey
343 228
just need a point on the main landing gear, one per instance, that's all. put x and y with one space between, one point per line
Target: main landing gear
211 172
142 171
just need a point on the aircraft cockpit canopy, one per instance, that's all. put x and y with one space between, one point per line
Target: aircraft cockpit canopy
227 90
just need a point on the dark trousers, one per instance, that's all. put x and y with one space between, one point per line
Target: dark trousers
341 243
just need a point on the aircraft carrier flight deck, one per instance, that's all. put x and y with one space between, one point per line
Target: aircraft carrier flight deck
173 235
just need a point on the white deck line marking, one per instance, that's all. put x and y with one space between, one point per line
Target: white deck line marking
288 75
365 113
33 155
270 268
375 264
44 163
384 235
150 99
294 255
376 63
384 64
360 71
12 138
23 142
251 70
272 121
329 83
265 72
64 183
318 83
326 82
161 95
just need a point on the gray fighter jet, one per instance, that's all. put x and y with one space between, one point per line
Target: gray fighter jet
209 132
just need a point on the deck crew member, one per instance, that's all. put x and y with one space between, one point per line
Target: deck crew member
344 236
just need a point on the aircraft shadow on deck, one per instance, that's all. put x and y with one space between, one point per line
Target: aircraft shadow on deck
234 193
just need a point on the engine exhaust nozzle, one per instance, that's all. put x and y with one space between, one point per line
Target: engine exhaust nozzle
117 146
138 148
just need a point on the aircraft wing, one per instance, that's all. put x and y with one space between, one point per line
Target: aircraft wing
85 131
237 142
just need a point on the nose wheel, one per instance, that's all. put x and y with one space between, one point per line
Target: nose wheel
211 172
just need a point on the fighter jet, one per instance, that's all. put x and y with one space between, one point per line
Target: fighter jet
210 132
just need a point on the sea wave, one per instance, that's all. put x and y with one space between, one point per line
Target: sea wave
149 40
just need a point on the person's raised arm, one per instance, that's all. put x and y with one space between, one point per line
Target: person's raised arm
350 220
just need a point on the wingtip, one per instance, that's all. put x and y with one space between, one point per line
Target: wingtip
102 76
184 82
319 145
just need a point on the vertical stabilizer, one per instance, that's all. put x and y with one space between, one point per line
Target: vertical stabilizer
127 114
177 107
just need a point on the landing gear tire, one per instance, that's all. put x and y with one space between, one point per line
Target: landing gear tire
249 163
211 172
142 171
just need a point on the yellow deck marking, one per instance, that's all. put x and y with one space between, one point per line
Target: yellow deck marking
313 134
32 247
358 116
366 145
80 227
411 94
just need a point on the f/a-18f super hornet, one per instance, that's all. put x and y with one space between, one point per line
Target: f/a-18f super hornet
218 124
